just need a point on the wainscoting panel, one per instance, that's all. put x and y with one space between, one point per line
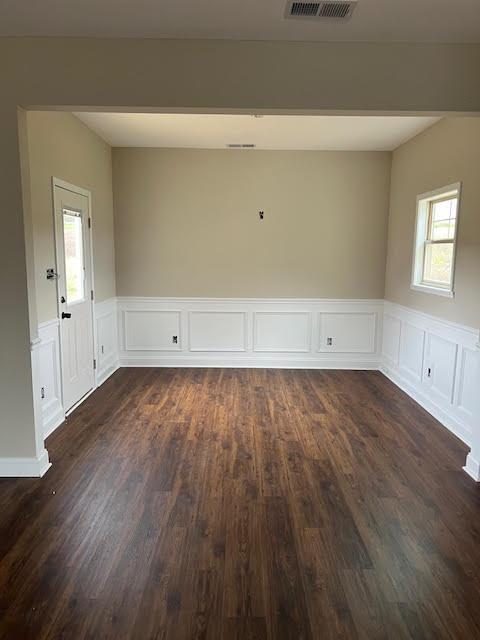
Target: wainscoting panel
392 327
347 332
440 366
468 389
412 347
49 379
152 330
434 361
49 376
250 332
436 365
106 318
212 331
283 331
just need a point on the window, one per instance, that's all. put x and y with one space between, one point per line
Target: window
74 271
435 237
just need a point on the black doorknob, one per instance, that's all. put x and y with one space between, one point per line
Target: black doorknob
66 315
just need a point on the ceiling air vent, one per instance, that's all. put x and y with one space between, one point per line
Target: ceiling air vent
305 9
240 146
324 10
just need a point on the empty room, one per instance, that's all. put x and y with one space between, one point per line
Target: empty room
240 320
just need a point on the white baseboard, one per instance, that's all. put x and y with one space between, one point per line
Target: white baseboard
25 467
229 362
107 371
53 418
472 467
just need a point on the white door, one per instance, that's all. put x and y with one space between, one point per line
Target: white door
74 290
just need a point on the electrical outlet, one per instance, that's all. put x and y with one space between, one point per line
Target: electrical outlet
329 342
261 214
102 348
429 372
42 393
175 339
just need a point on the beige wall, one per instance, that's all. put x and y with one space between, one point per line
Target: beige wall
187 224
166 74
447 152
62 146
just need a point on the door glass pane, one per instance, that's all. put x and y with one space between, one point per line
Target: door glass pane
74 272
438 263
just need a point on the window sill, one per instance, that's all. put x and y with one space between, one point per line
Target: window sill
424 288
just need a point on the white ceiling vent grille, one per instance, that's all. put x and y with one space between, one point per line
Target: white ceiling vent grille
324 10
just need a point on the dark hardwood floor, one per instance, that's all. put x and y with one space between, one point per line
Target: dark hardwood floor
244 504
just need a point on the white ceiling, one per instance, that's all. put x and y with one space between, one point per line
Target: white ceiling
372 21
213 131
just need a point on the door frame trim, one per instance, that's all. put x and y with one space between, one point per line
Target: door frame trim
63 184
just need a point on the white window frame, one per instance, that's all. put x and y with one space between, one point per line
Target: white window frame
424 201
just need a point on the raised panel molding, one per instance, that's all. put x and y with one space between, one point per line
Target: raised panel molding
392 328
440 366
282 331
49 376
409 342
152 330
348 332
252 332
467 400
436 365
412 347
216 330
106 339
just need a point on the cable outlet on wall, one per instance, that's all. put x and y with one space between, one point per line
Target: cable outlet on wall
329 342
175 339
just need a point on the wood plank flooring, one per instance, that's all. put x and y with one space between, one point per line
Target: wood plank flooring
244 504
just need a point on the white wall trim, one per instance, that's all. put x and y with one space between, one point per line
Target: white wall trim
47 348
406 343
25 467
244 332
434 361
297 313
456 326
241 301
106 331
49 380
472 467
447 419
208 361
